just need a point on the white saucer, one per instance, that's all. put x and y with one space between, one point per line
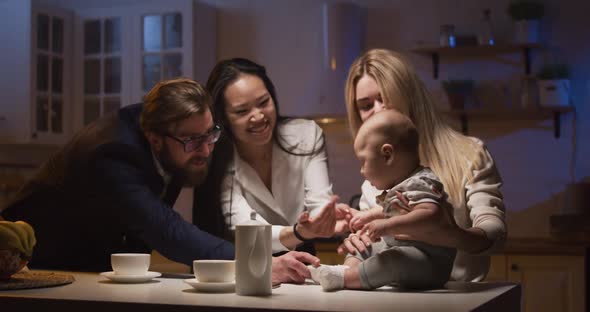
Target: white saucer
130 278
211 287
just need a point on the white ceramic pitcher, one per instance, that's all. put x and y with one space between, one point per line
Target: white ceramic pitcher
253 258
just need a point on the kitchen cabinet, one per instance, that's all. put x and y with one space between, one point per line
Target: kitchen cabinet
123 51
484 51
36 65
65 67
326 251
551 280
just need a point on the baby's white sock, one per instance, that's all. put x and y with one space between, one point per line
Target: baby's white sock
315 272
331 277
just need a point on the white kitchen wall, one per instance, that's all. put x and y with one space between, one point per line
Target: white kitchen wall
288 38
568 31
285 38
15 62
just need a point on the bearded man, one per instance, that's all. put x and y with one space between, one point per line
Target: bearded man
110 189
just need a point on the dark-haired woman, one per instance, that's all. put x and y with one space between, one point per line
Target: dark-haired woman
267 164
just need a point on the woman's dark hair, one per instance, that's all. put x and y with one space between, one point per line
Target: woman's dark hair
225 73
207 212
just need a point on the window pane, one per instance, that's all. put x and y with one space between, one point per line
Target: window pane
112 75
43 32
57 35
42 113
151 71
152 33
56 115
56 75
42 72
91 110
112 33
111 104
91 37
173 28
172 65
92 76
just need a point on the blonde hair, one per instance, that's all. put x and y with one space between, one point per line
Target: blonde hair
171 101
450 154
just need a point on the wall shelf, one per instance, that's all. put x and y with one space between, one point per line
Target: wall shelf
520 114
436 52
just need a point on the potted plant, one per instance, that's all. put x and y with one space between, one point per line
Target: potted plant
526 15
554 85
458 91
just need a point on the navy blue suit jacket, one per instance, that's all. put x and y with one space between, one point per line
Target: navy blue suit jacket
100 195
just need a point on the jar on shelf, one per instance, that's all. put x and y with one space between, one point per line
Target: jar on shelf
447 35
486 35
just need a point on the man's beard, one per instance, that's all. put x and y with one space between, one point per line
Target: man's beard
187 177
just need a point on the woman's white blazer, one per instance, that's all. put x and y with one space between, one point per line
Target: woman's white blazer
298 183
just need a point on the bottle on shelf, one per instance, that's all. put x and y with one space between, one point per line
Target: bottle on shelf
486 36
447 35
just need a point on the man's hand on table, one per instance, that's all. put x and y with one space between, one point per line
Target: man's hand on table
292 267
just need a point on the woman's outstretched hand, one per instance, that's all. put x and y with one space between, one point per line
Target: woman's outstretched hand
322 224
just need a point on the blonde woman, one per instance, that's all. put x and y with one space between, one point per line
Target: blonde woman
382 79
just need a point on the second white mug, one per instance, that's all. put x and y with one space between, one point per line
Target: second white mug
130 263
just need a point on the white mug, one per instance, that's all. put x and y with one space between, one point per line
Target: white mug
130 263
214 271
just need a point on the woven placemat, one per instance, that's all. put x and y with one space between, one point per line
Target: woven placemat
30 279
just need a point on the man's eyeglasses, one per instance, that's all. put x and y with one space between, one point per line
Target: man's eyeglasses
196 142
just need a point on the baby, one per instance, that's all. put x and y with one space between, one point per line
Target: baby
387 147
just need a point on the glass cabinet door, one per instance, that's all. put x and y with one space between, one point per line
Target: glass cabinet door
161 48
123 51
48 57
102 67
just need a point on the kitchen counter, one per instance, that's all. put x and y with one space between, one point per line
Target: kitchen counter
92 292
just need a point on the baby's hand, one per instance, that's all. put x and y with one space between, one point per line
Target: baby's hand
360 219
375 229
